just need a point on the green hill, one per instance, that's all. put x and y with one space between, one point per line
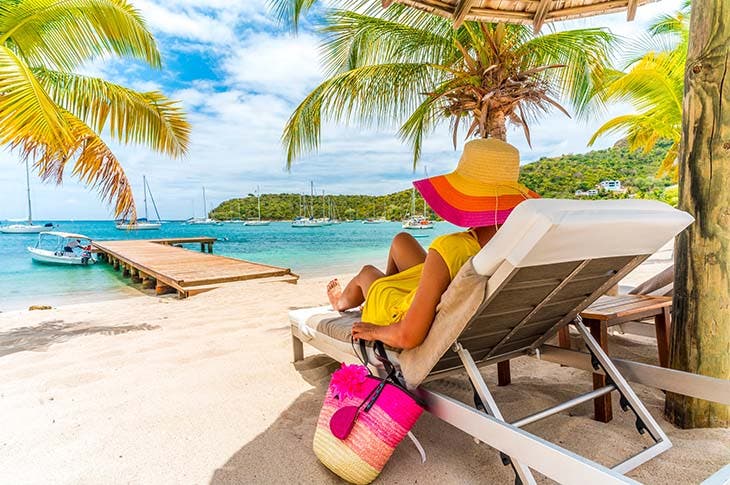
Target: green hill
557 177
560 177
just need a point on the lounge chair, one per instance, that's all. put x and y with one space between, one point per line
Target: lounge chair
550 260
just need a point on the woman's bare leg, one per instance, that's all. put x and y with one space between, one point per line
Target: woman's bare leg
354 293
405 253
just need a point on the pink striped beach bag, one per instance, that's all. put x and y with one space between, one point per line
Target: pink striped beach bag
362 420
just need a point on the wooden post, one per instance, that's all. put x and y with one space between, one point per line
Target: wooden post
116 264
135 275
662 327
701 327
504 374
125 271
210 247
202 247
601 405
162 288
564 337
148 283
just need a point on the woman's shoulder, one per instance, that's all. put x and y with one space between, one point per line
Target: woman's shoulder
454 238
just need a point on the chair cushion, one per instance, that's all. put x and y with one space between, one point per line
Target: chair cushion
334 324
547 231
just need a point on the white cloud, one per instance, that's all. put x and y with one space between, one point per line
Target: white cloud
239 115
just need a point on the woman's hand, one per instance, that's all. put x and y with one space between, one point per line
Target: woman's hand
365 331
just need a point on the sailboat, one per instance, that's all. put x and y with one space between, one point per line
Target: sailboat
206 221
416 222
380 220
257 222
28 227
303 221
143 224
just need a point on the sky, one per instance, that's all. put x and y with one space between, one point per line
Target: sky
239 76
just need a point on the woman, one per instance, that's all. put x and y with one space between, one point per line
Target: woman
400 304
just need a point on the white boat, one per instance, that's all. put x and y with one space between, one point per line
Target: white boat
306 222
62 248
416 222
374 221
143 223
27 227
257 222
204 221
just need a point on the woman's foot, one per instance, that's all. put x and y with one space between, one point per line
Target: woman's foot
334 292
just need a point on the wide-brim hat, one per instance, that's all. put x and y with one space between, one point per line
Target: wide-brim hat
483 190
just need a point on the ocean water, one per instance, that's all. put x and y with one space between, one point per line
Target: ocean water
309 252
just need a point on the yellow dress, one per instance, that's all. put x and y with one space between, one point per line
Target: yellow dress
390 297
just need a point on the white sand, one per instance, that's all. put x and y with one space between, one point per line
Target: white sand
157 391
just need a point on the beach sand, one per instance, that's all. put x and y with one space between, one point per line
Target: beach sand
159 390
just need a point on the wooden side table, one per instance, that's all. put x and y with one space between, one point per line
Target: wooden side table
608 311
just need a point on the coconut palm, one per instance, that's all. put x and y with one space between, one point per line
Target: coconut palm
653 82
404 67
54 116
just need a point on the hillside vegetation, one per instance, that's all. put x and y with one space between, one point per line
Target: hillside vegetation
557 177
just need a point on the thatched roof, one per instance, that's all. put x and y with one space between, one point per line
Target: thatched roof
535 12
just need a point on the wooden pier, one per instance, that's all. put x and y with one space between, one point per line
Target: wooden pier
165 266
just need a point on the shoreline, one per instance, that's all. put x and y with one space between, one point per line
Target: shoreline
126 290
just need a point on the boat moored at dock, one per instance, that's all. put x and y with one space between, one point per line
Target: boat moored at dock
62 248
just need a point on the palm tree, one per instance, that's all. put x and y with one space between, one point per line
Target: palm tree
54 116
405 67
654 84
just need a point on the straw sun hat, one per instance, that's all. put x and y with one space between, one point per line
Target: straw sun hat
483 189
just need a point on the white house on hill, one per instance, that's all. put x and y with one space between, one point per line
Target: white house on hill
611 186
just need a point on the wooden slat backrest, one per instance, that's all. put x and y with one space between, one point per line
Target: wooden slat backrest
533 303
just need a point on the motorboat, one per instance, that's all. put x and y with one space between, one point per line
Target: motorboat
374 221
143 223
62 248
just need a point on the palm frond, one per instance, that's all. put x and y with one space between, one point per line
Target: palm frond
29 119
290 12
66 33
148 118
585 53
353 39
94 164
378 96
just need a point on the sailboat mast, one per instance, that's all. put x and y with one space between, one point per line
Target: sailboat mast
324 210
258 196
144 183
27 186
205 205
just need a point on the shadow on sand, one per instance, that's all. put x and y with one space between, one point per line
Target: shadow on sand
40 337
283 453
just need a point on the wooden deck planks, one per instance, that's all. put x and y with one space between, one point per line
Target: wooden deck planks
183 269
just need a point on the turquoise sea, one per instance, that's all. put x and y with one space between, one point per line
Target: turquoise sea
309 252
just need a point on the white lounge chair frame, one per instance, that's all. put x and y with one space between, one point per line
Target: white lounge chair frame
485 422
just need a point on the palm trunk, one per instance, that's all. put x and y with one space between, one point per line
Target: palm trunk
496 126
701 328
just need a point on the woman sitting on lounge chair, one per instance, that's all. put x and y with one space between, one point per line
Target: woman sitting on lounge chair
400 304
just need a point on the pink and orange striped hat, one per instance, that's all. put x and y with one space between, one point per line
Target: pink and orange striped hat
483 190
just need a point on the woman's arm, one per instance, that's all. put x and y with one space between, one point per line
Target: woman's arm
412 330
